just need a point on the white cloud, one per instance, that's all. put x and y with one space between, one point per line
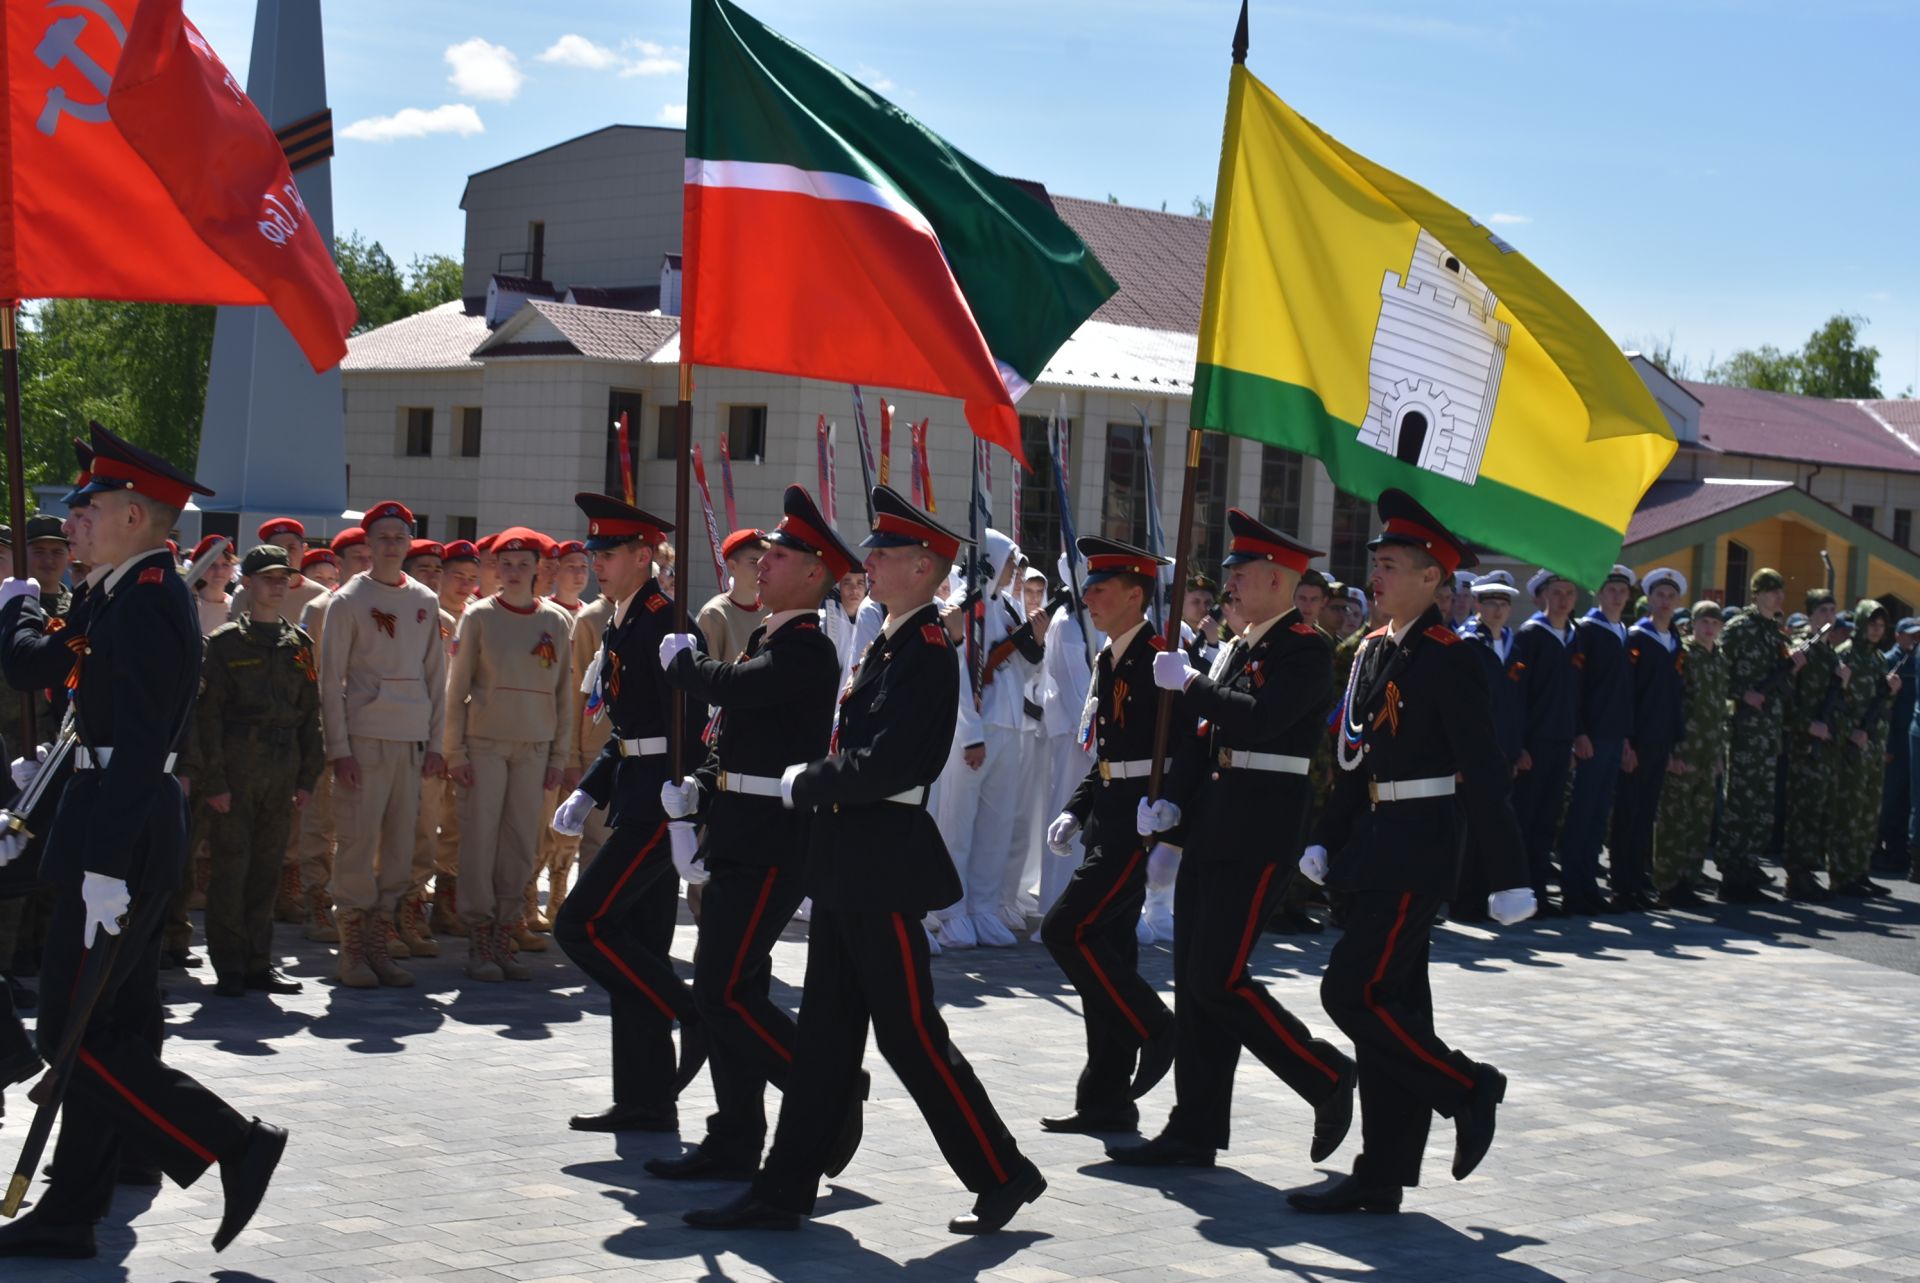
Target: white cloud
1508 220
578 51
482 70
876 80
645 58
674 113
412 122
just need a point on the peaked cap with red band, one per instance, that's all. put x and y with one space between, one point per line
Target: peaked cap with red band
319 557
1252 541
121 465
386 510
423 548
459 550
898 524
1404 522
351 537
804 529
739 539
611 523
1109 557
280 526
83 455
521 539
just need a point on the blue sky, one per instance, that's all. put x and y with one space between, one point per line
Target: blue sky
1727 172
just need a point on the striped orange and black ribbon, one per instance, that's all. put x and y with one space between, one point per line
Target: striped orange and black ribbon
308 142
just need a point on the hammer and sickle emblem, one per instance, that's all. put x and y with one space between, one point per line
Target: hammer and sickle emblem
61 43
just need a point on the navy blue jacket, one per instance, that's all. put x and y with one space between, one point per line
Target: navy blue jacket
1551 680
1659 687
1605 708
1506 687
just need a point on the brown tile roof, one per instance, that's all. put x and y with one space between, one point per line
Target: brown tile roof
1669 505
598 333
1902 418
1778 425
1158 260
627 298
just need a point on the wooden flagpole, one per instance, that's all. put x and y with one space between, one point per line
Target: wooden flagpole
16 482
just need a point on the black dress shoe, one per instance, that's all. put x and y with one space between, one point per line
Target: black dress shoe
1085 1122
1156 1058
1745 891
1586 904
1295 922
1473 1124
993 1209
139 1173
1333 1117
1805 886
693 1054
744 1213
627 1118
702 1164
1164 1150
178 959
18 1067
24 998
1633 902
1683 896
1350 1195
272 981
35 1235
231 986
1860 888
853 1125
244 1179
1545 906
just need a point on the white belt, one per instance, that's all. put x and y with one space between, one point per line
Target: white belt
750 785
650 747
96 759
912 797
1240 759
1410 790
1129 770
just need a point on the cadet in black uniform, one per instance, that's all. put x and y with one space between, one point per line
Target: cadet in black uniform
1090 929
115 854
875 865
617 926
1243 783
1415 719
776 705
1656 664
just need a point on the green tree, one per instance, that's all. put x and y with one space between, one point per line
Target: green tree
372 279
1834 363
433 279
1765 368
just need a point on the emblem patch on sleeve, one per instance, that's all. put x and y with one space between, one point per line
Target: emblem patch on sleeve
153 575
933 634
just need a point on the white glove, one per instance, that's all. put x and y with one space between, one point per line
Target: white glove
686 852
680 798
1171 671
672 644
12 588
787 777
1150 818
25 768
1314 864
1060 834
1163 864
570 817
11 843
1516 904
107 900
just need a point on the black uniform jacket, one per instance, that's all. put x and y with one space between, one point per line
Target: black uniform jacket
1605 710
1123 731
1272 697
40 660
1424 713
776 709
639 705
1506 688
137 673
1552 682
896 725
1659 687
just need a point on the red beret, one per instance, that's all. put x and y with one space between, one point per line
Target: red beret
281 526
568 547
351 537
205 545
319 556
424 548
460 550
739 539
385 509
521 539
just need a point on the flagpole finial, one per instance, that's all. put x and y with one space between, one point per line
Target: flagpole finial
1240 37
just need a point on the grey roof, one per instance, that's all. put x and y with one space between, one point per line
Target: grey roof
598 333
440 338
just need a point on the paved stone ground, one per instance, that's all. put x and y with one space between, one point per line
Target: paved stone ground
1692 1098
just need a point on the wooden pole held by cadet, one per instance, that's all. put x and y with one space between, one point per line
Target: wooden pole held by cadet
1182 545
16 484
682 505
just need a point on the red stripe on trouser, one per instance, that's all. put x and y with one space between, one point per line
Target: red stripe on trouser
1238 981
739 960
1080 939
1386 955
593 930
146 1111
939 1063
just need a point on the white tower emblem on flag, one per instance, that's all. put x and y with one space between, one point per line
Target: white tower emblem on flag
1433 375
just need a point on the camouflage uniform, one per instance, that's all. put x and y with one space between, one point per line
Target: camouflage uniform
257 739
1812 764
1752 648
1685 829
1862 772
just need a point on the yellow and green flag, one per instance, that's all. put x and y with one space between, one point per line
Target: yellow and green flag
1354 316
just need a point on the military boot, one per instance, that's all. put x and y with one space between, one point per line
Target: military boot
381 960
535 920
504 935
526 940
396 943
320 922
202 874
413 929
446 906
557 878
355 971
290 905
481 963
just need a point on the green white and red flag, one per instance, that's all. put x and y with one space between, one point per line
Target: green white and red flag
830 235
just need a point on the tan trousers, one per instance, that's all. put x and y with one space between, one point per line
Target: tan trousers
446 859
500 826
375 825
557 852
310 845
436 810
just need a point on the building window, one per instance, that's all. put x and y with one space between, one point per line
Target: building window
622 401
1209 507
1898 607
1863 513
467 417
667 439
1123 507
1352 527
1282 474
1039 532
1903 527
420 525
1739 568
419 442
747 432
467 528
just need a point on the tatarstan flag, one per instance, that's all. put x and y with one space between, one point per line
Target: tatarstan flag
830 235
1356 317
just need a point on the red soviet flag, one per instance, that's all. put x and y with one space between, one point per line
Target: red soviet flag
181 110
81 215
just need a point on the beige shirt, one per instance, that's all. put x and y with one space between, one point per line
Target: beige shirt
511 678
726 625
213 614
383 669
